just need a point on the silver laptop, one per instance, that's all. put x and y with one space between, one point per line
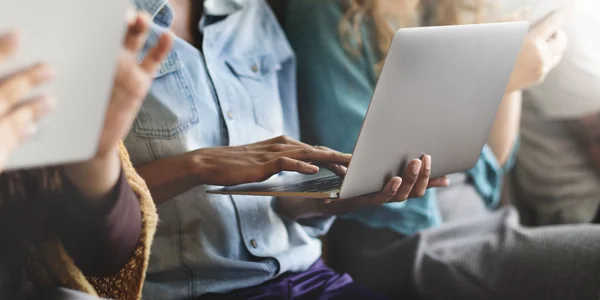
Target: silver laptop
81 39
438 94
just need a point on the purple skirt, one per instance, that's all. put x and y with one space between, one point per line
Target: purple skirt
318 282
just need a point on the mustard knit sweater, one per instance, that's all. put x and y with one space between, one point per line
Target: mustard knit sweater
50 264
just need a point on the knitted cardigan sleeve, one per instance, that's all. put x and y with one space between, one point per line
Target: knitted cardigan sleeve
51 265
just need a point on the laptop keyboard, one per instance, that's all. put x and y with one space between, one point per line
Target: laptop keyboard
317 185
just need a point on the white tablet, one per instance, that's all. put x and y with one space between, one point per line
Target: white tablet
81 40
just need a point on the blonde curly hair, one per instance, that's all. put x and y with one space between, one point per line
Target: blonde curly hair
381 24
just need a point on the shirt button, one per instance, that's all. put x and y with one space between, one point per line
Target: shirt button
230 114
254 68
254 243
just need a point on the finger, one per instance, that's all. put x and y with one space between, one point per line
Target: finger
137 32
346 155
8 45
280 140
409 179
337 169
16 87
345 206
439 182
548 27
287 164
423 181
39 106
130 14
315 155
557 45
385 195
157 54
20 123
263 146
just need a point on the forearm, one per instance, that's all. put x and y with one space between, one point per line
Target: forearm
170 177
99 238
506 127
95 178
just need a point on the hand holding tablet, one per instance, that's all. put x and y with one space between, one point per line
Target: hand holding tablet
18 120
91 118
81 40
541 52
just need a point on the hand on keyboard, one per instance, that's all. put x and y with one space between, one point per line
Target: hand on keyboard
259 161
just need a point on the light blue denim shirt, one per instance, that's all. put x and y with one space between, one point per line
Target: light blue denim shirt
239 90
335 91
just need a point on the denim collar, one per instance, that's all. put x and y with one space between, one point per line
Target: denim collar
211 7
222 7
150 6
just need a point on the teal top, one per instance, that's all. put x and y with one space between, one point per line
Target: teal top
335 89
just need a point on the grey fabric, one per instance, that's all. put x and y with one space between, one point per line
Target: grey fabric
460 200
488 257
554 176
493 257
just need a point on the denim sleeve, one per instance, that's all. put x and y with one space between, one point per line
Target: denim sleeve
488 175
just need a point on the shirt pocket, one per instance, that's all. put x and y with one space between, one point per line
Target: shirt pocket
169 108
258 75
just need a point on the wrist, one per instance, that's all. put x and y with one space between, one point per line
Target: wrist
198 168
96 177
195 167
511 88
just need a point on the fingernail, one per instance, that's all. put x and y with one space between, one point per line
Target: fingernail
145 17
415 167
327 201
396 185
48 104
311 167
427 160
9 37
29 130
130 14
45 73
